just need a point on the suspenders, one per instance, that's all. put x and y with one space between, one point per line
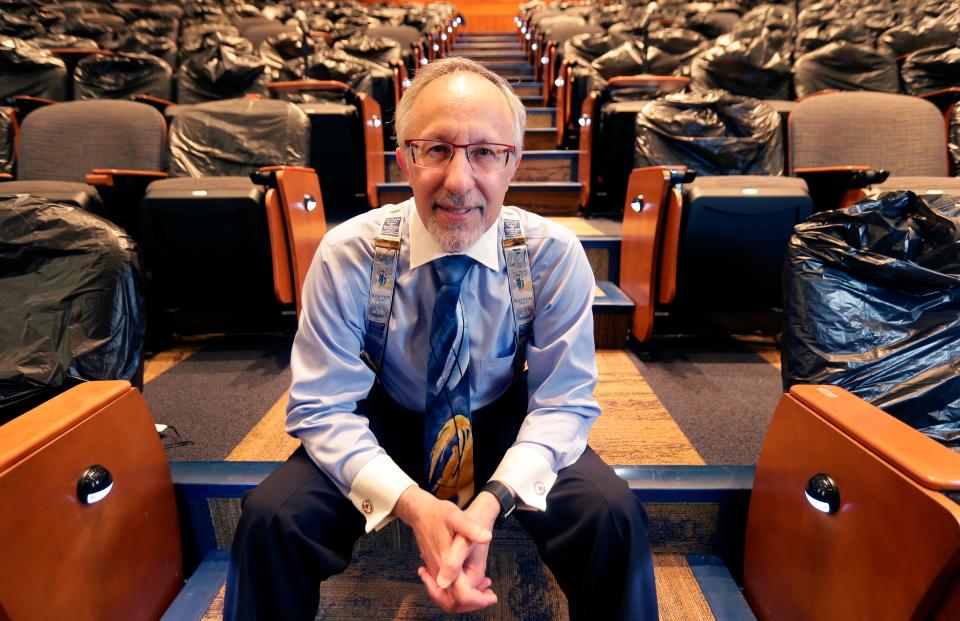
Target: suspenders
386 254
384 274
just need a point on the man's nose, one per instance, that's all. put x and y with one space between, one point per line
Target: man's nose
458 178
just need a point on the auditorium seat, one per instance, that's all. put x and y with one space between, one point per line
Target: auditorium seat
346 142
61 144
838 142
711 246
28 70
121 76
217 243
845 66
71 302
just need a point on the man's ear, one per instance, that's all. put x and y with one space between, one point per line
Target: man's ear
402 162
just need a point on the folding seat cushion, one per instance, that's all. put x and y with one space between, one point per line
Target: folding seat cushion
733 237
71 302
847 67
205 230
60 144
26 69
122 76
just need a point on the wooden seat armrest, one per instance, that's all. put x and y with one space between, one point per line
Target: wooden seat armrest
297 191
25 104
110 177
587 112
307 86
643 214
159 103
78 52
655 84
923 459
6 177
833 187
373 143
943 98
564 75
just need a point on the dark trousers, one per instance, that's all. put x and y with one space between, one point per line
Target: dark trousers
297 529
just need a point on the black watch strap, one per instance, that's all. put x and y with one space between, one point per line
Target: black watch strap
503 495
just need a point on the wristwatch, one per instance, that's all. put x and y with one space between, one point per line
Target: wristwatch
503 495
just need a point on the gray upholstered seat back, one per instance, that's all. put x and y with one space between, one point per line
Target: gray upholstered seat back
65 141
899 133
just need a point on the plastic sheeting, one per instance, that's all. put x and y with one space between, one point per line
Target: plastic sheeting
224 68
379 50
873 306
906 38
7 140
236 137
121 76
26 69
953 138
931 69
712 133
141 42
627 59
847 67
360 75
70 298
751 67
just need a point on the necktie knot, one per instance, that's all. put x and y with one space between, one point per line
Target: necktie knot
452 268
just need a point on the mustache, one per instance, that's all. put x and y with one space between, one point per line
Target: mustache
458 201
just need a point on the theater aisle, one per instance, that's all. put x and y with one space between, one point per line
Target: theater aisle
680 404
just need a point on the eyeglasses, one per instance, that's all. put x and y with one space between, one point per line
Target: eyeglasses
484 157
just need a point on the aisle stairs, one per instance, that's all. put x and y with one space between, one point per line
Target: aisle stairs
547 181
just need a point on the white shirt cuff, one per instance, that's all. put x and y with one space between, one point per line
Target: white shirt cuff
529 474
376 488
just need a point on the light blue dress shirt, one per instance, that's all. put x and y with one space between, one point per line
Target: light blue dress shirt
329 378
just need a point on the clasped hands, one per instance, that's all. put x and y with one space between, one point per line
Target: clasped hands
453 545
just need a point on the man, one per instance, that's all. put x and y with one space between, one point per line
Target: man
409 391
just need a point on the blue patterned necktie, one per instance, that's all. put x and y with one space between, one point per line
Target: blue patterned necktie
448 434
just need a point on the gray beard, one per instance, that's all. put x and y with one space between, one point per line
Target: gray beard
457 238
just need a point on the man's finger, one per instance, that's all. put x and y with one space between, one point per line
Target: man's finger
441 597
465 526
452 563
468 597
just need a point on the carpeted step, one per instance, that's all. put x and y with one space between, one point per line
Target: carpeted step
540 118
528 88
540 138
494 54
559 198
612 316
689 588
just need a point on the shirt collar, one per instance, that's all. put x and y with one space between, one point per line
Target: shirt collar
424 248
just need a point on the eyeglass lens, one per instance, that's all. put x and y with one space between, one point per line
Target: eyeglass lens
483 157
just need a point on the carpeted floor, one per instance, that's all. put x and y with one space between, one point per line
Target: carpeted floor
680 402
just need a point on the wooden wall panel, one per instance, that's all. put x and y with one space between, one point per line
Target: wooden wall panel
485 16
